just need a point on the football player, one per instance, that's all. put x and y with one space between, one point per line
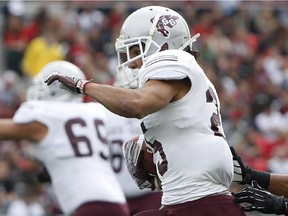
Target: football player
179 111
69 138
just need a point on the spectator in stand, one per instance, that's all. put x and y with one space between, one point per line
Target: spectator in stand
69 22
278 162
44 49
80 54
34 27
27 203
274 66
15 41
7 189
10 97
89 17
272 125
204 26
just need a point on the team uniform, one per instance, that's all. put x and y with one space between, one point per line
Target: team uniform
194 160
75 152
120 130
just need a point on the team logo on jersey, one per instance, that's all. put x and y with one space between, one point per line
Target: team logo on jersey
164 22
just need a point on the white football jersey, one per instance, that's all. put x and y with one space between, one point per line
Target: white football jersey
120 130
75 151
193 157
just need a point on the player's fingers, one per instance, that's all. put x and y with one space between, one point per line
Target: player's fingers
257 187
249 208
243 192
51 79
243 196
232 151
243 199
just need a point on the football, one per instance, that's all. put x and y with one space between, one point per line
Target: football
146 158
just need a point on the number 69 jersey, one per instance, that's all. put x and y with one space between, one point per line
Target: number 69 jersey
74 150
192 156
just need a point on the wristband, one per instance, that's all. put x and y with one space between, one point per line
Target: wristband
262 178
81 84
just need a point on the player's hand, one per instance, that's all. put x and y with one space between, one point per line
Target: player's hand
72 84
260 200
132 151
241 172
245 175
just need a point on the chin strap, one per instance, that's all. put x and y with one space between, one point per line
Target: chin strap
152 31
190 41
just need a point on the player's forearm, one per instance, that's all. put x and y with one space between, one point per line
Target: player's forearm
124 102
278 184
7 129
33 131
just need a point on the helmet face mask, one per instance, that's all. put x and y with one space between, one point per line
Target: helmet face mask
153 26
39 90
127 77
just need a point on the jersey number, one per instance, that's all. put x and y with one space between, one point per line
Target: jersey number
216 126
116 156
76 141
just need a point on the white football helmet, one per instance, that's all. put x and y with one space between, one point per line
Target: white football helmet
41 91
155 27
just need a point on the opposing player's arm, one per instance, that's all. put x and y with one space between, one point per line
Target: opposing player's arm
33 131
275 183
278 184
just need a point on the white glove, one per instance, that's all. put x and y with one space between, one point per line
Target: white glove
133 152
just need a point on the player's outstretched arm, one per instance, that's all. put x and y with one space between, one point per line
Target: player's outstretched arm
261 200
278 184
130 103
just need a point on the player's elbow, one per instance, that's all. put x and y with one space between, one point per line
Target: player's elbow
138 109
138 112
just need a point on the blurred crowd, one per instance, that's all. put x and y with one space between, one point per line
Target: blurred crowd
243 47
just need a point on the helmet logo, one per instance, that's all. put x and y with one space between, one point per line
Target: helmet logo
165 21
